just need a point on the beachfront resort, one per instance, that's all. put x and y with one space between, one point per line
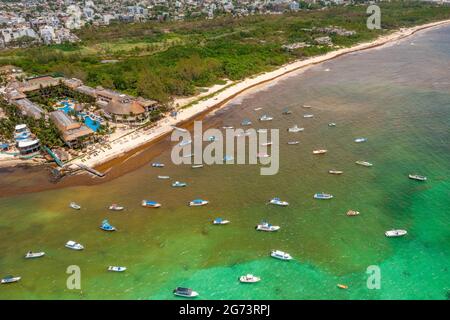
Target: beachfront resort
69 116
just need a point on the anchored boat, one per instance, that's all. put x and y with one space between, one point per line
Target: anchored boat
163 177
277 254
295 129
265 118
320 151
364 163
74 245
293 142
308 115
105 226
150 204
335 172
352 213
220 221
9 279
323 196
196 166
31 255
265 226
116 269
185 292
417 177
157 165
249 278
178 184
115 207
395 233
332 124
358 140
198 202
278 202
74 206
246 122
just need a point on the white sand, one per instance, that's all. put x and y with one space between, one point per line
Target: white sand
132 139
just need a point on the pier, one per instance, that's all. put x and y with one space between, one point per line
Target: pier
91 170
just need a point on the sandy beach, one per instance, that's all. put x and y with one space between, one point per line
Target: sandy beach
217 96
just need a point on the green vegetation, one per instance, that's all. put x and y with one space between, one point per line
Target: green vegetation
161 60
45 131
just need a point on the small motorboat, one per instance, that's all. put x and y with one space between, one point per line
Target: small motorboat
31 255
115 207
295 129
307 106
342 286
9 279
308 116
163 177
265 118
323 196
265 226
185 292
74 206
277 254
196 166
228 127
395 233
332 124
332 171
116 269
150 204
178 184
261 130
364 163
246 122
74 245
185 143
220 221
105 226
249 278
278 202
157 165
293 142
286 111
197 203
417 177
262 155
257 109
359 140
212 138
320 151
352 213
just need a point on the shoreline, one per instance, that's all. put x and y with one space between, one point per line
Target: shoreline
138 139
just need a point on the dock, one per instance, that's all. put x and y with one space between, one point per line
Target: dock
91 170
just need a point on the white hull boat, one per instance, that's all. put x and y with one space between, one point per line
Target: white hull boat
73 245
249 278
278 202
198 203
417 177
364 163
9 279
277 254
116 269
74 206
321 151
395 233
295 129
32 255
185 292
265 226
293 142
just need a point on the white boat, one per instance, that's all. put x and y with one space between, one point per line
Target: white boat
332 124
228 127
335 171
295 129
320 151
74 245
75 206
395 233
115 207
293 142
31 255
352 213
185 143
197 203
278 202
364 163
196 166
249 278
150 204
185 292
265 118
359 140
163 177
9 279
178 184
308 115
265 226
257 109
417 177
323 196
246 122
157 165
116 269
307 106
220 221
277 254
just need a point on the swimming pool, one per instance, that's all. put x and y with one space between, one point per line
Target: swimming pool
66 106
